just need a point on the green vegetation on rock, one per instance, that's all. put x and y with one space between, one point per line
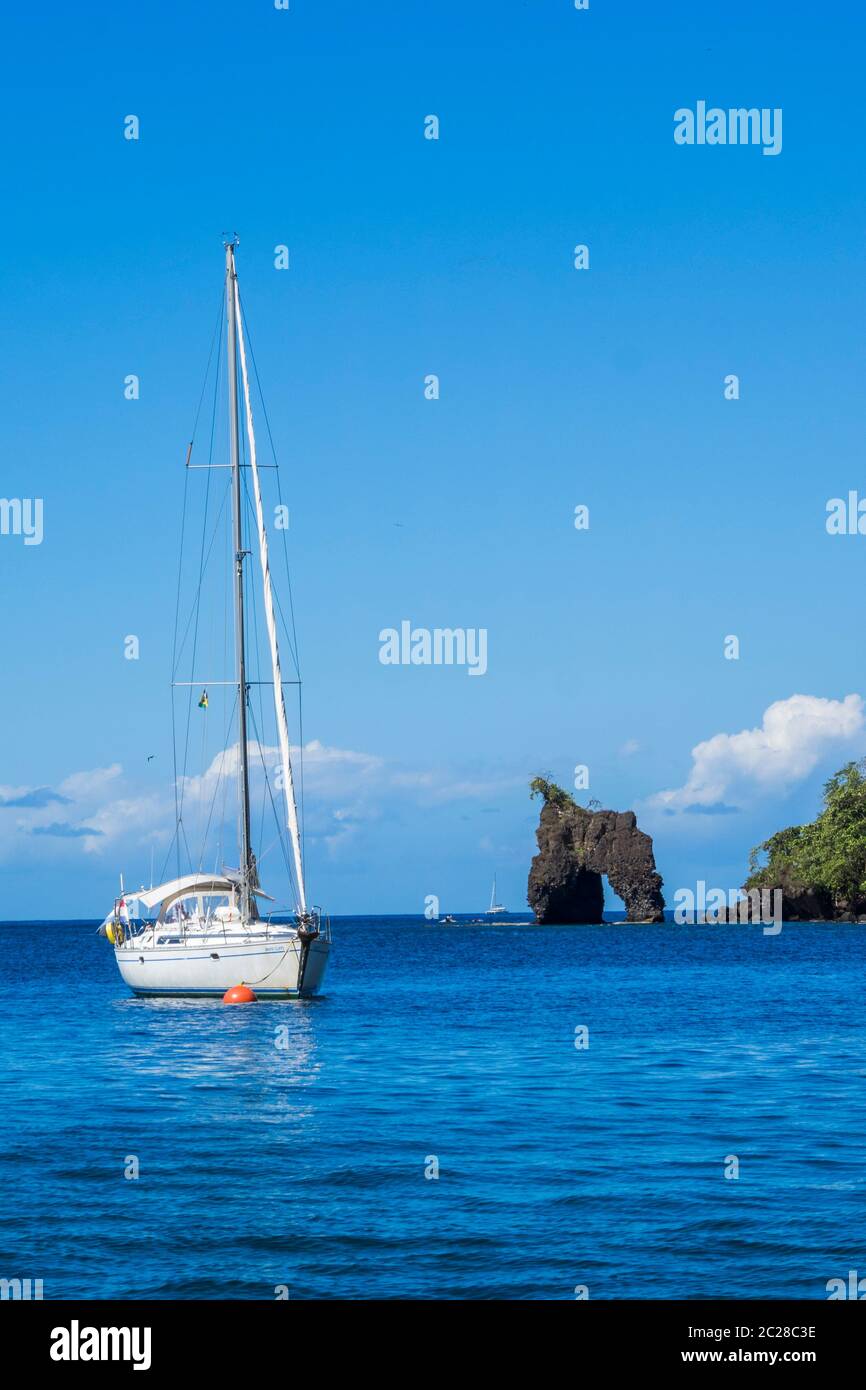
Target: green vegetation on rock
552 794
828 854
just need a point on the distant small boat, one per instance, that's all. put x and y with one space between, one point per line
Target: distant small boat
495 908
449 921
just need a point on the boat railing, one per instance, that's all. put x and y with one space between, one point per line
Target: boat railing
323 923
216 927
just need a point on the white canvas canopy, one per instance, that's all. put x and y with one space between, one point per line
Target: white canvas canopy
189 884
167 893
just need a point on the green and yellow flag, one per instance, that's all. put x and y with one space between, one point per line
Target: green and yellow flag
202 704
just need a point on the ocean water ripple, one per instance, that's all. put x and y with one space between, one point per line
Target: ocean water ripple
303 1164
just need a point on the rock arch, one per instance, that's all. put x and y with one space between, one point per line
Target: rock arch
575 848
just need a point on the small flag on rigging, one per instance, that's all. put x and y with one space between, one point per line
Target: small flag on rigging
202 704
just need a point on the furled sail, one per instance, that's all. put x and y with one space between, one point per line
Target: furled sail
270 620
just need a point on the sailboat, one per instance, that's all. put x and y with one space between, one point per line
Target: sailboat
495 908
208 930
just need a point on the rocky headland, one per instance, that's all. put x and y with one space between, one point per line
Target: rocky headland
820 867
576 847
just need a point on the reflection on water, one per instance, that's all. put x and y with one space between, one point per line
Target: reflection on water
203 1039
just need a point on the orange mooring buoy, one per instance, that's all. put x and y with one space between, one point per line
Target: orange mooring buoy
239 994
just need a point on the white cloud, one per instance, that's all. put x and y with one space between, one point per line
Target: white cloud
630 746
82 786
142 817
346 793
80 816
326 770
332 770
793 736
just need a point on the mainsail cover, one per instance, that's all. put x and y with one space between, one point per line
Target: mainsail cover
270 620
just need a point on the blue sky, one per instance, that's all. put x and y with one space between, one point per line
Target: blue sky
558 387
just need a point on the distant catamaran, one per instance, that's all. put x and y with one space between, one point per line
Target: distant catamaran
208 934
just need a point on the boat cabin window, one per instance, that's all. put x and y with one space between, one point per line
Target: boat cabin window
178 912
202 908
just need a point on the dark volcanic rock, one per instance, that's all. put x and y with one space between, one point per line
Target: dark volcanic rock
807 905
569 894
576 847
800 902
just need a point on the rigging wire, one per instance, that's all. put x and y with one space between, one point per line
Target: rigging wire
215 337
286 860
291 634
227 723
259 730
221 781
202 562
257 658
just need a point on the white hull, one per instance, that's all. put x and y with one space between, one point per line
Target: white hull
209 968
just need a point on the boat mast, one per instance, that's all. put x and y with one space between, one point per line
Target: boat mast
271 623
247 901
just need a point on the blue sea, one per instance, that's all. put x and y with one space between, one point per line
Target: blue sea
286 1144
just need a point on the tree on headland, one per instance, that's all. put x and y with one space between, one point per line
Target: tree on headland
828 853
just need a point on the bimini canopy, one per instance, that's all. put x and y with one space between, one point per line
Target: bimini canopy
168 893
